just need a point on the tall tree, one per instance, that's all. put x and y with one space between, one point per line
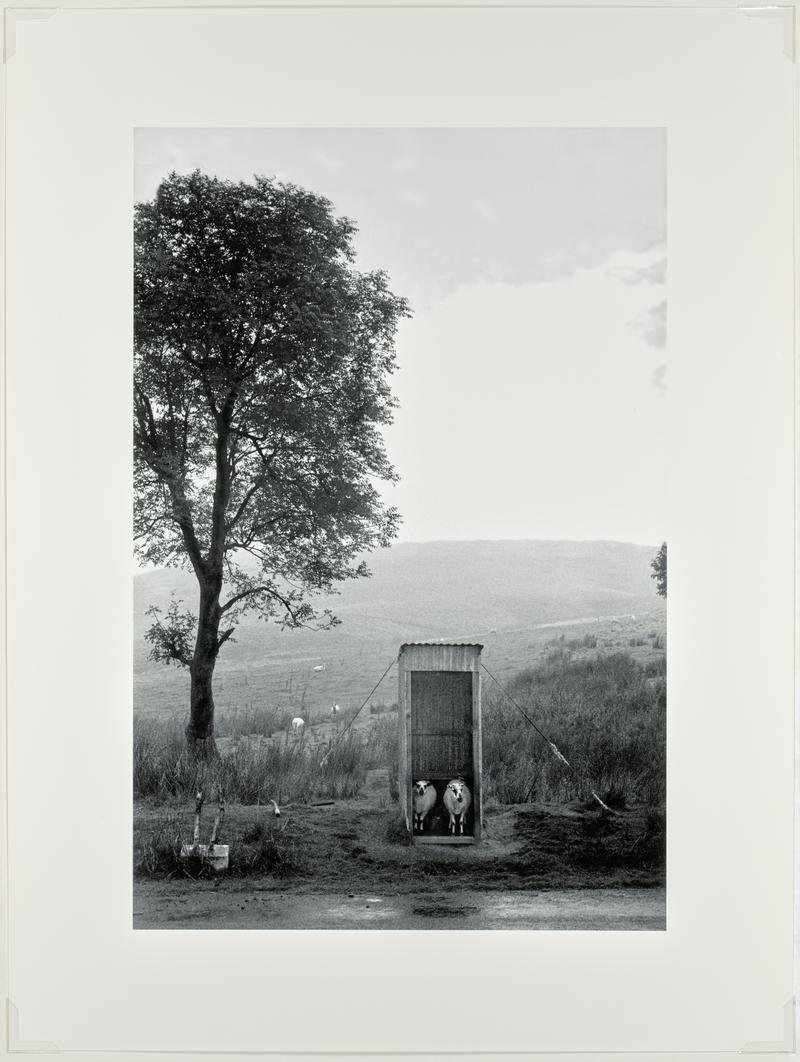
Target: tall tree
261 382
659 573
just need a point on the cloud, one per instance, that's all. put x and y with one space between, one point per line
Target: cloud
653 325
653 273
529 205
540 394
647 272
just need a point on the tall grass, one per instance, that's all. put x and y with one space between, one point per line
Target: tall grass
607 716
382 747
381 708
157 854
252 769
240 722
606 713
160 767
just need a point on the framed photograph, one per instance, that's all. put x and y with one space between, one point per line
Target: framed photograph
364 363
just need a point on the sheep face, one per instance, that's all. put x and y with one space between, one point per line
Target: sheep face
457 800
424 800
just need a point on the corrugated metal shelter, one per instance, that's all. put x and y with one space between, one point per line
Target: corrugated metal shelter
440 732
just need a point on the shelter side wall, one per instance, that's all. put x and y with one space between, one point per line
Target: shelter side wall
477 754
404 781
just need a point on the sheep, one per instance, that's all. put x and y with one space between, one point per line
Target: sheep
298 723
319 667
457 799
335 708
424 799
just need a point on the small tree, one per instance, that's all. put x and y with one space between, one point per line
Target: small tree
659 573
261 381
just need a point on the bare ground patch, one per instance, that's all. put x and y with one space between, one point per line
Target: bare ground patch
360 846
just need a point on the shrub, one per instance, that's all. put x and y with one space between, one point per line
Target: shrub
267 849
589 641
603 714
157 854
656 668
382 708
262 848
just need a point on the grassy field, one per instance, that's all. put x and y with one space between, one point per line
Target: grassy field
513 597
605 710
340 833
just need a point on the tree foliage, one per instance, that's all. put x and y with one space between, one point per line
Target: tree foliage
171 638
659 573
261 385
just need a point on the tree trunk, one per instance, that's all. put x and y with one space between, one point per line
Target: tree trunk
200 729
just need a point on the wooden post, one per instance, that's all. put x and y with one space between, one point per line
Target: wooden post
477 756
404 781
215 831
198 807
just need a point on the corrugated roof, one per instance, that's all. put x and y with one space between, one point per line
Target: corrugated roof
442 642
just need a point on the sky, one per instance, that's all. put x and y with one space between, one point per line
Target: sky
532 373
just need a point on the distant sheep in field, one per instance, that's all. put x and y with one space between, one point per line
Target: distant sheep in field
457 800
335 708
319 667
298 723
424 800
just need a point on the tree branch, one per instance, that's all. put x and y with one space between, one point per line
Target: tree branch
224 636
240 597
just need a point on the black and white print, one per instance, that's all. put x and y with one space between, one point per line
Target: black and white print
400 522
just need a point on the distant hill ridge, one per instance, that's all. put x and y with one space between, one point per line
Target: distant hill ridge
499 592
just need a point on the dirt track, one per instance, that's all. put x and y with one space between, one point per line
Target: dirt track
156 907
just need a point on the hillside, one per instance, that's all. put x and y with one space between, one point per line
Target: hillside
513 596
